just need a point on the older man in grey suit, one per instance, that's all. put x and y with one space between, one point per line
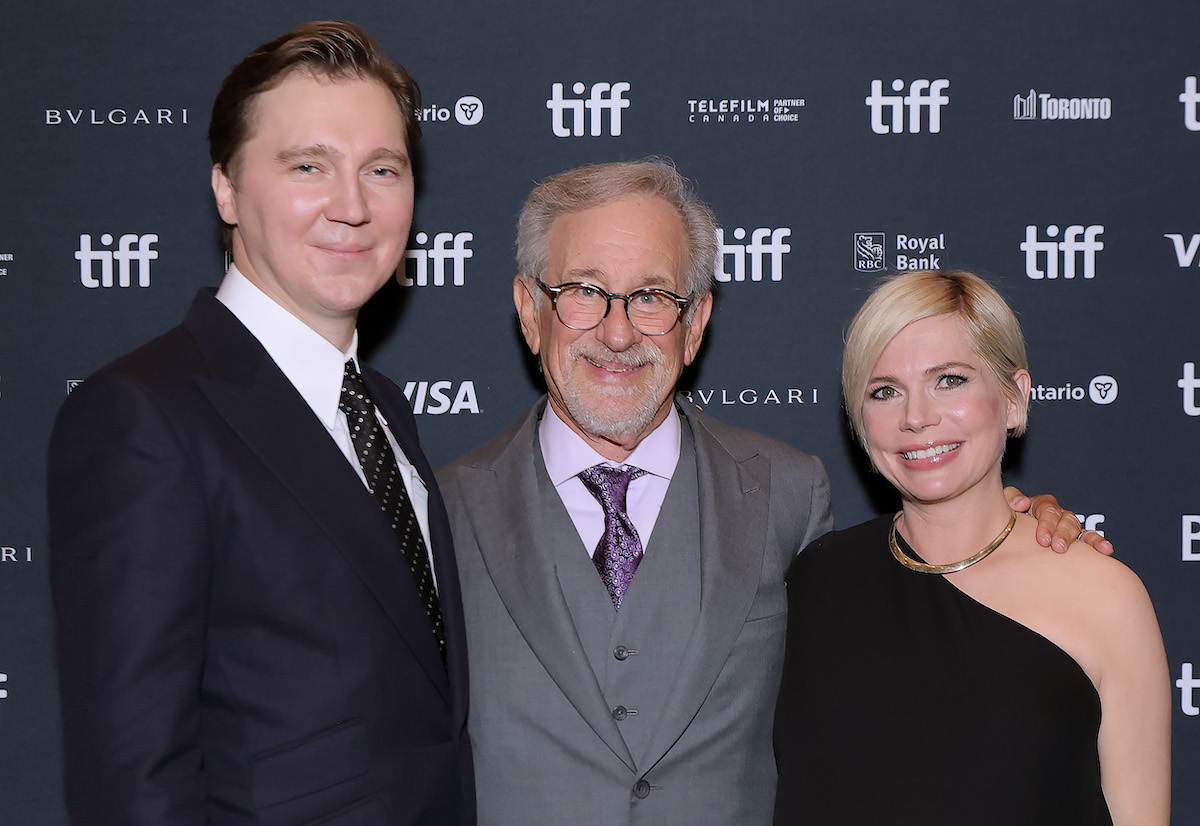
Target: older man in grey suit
598 696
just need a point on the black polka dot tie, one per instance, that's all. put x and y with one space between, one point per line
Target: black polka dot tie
619 550
378 462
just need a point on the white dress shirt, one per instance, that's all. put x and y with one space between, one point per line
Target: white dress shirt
566 454
315 368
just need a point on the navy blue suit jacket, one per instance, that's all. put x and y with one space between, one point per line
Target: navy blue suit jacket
239 637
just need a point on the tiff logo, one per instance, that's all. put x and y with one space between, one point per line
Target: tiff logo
1184 253
1190 386
418 273
1191 104
1072 249
766 245
1187 684
887 111
124 255
566 114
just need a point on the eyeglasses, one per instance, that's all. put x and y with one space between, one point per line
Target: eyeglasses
651 311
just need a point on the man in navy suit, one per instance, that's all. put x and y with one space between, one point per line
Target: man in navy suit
245 634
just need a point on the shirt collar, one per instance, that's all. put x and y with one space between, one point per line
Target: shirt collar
313 365
566 453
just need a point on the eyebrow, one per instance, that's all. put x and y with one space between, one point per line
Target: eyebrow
592 276
321 150
316 150
937 368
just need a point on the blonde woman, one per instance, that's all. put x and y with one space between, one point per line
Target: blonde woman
942 667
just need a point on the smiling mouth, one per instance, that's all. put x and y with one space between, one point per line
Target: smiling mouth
613 368
929 453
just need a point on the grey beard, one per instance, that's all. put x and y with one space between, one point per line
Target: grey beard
606 422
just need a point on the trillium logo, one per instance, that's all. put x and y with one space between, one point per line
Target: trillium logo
1103 390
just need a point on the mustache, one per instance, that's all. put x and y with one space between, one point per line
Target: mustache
638 355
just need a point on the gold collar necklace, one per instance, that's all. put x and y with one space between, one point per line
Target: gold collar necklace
949 568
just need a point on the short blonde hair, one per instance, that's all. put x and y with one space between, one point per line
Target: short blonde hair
911 296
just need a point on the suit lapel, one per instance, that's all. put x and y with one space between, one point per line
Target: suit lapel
516 550
734 502
270 416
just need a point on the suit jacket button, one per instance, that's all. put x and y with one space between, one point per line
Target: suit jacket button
620 713
620 652
641 789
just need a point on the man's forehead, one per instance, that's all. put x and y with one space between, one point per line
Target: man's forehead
301 76
620 232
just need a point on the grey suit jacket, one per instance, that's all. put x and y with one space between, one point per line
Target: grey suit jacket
546 746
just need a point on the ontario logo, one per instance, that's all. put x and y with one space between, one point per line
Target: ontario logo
467 110
1100 390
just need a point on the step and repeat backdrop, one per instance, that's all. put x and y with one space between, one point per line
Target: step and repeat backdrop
1053 147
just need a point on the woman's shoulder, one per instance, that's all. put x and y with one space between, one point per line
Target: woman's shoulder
1091 605
1102 584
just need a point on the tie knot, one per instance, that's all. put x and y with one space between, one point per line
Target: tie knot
610 484
355 398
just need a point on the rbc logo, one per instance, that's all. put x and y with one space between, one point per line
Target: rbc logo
1191 104
1073 249
887 111
759 249
124 254
868 251
434 397
603 97
418 273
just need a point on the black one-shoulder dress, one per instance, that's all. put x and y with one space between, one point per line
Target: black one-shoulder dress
904 701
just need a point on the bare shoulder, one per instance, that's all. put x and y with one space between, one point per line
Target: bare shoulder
1091 605
1104 586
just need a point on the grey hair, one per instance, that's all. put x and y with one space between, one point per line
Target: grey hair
594 185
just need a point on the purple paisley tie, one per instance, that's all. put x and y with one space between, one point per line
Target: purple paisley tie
619 550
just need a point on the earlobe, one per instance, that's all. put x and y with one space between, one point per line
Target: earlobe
223 192
526 306
1017 411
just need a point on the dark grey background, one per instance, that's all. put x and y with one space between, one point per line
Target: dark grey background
979 182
